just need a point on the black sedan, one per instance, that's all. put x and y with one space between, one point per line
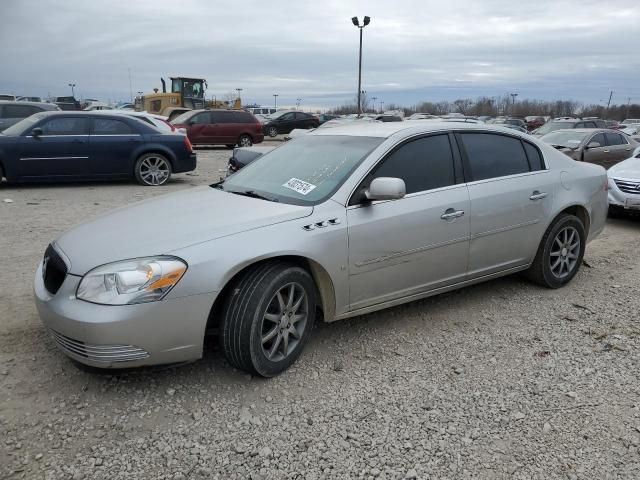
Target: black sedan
72 146
286 120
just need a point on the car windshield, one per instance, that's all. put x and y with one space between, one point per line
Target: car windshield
569 139
304 171
551 126
23 125
182 118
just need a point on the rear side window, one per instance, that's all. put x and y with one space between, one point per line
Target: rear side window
107 126
492 155
614 139
534 156
242 117
223 117
65 126
423 164
19 111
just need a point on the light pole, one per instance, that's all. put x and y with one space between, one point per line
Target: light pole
298 100
72 85
381 106
356 22
275 100
374 103
238 90
513 103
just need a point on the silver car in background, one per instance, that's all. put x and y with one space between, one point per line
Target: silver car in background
624 186
338 223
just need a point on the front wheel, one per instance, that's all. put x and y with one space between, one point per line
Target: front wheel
152 169
267 318
272 131
560 253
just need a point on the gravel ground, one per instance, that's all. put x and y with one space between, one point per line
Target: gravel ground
500 380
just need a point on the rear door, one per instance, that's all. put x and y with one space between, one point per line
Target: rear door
227 127
112 143
511 194
62 149
619 149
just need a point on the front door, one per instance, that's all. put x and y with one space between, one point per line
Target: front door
511 195
203 129
62 149
404 247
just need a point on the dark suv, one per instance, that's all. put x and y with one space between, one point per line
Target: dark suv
284 121
220 127
553 125
12 112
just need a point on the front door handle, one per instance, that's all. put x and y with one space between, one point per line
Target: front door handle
537 195
450 213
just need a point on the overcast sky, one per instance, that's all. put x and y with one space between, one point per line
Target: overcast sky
414 50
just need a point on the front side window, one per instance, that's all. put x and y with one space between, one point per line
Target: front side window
598 138
65 126
200 119
107 126
491 156
423 164
304 171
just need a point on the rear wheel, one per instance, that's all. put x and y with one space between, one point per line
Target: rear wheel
272 131
560 253
153 169
267 318
245 141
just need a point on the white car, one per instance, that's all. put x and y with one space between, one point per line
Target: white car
624 185
158 121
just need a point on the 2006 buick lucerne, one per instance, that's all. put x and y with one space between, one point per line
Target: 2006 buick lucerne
334 224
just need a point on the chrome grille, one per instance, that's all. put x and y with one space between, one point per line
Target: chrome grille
99 353
627 186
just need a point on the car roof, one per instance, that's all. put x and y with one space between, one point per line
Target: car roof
389 129
35 104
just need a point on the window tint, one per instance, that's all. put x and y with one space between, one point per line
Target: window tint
287 116
492 156
241 117
65 126
107 126
19 111
614 139
598 138
534 156
202 118
423 164
223 117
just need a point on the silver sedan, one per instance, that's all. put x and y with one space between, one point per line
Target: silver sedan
338 223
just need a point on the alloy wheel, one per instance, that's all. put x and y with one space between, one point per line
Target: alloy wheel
284 322
565 252
154 170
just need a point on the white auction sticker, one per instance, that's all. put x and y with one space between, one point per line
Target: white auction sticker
299 186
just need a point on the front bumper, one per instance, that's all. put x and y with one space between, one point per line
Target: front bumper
628 199
123 336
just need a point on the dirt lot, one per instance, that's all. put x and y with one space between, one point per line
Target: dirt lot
500 380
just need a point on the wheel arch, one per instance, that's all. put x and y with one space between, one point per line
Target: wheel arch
321 278
159 150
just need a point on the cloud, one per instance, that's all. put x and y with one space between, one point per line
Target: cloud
413 50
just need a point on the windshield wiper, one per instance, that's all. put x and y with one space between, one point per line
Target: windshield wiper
252 194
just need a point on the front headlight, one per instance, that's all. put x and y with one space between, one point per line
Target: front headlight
133 281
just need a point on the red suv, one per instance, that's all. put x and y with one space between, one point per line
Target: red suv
220 127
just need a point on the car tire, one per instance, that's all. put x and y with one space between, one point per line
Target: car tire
153 170
560 253
272 131
245 141
265 324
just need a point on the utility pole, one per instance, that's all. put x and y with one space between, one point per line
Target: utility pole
628 106
513 103
130 87
609 103
356 22
374 103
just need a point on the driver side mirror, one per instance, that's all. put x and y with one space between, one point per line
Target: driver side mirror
593 145
386 188
36 132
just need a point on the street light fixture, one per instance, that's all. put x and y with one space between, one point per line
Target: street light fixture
72 85
356 22
275 100
374 103
238 90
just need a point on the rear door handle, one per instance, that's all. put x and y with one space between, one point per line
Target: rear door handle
606 151
537 195
451 213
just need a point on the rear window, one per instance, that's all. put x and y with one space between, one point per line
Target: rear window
491 156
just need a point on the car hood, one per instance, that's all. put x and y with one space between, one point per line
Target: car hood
167 223
629 169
